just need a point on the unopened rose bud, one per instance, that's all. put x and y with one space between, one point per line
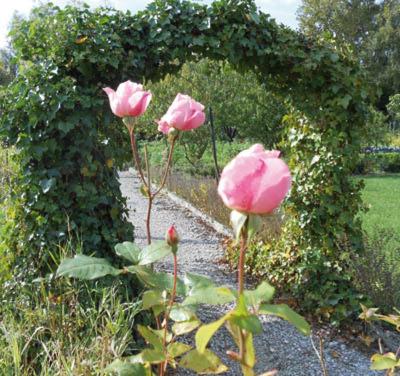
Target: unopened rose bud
172 238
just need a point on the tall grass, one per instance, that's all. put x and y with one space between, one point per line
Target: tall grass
66 328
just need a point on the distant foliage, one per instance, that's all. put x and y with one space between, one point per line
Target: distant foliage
242 106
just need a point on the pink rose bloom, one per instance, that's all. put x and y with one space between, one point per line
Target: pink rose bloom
255 181
129 100
184 114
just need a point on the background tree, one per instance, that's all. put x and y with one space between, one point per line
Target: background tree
381 55
371 28
350 22
242 107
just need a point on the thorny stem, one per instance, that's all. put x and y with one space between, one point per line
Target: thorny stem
136 157
150 197
168 312
242 257
169 162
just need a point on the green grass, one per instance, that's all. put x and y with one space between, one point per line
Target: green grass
382 196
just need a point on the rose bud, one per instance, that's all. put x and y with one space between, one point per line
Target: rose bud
172 238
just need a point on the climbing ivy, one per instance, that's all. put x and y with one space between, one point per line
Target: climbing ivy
57 115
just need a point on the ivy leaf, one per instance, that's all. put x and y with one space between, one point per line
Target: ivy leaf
47 184
85 267
344 102
154 252
285 312
203 363
129 251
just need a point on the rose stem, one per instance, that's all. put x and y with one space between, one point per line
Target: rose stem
242 257
168 311
150 197
136 157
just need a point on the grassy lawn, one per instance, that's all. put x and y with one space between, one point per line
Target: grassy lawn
382 195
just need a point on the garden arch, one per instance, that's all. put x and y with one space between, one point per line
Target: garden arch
57 115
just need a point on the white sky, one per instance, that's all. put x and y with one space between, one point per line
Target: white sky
284 11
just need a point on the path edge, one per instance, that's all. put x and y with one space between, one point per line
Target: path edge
217 226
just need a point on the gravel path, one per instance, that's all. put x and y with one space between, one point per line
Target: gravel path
280 346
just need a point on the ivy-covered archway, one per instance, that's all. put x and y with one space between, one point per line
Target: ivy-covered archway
59 119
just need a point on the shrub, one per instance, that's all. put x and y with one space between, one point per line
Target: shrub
203 166
378 269
378 162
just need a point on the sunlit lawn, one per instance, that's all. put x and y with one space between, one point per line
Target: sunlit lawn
382 195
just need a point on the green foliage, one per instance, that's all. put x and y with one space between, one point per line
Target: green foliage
58 117
378 162
393 108
164 347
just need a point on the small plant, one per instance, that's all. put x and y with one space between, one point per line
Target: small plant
389 361
259 190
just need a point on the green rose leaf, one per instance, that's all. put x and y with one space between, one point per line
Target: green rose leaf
203 363
153 298
177 349
158 281
154 252
195 281
262 294
129 251
254 225
154 356
385 361
210 295
238 220
181 313
285 312
206 331
249 322
85 267
153 337
150 336
122 368
184 327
